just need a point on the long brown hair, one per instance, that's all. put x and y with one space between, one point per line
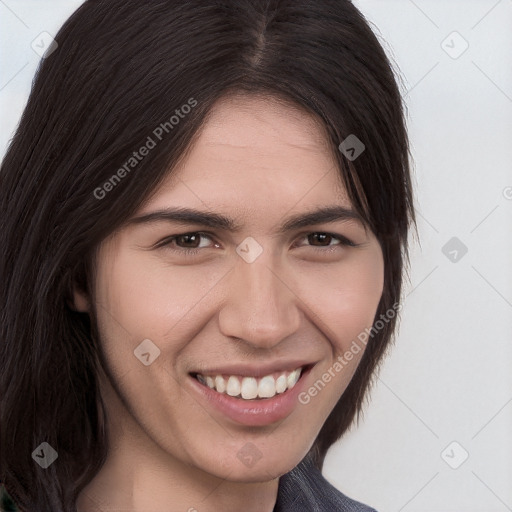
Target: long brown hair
122 68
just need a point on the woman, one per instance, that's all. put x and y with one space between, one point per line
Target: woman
140 371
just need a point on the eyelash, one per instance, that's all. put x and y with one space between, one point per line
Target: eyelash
344 241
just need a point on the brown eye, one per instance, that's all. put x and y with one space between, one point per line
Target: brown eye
187 244
321 240
188 240
324 239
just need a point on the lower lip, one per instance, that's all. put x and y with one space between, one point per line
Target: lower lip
254 413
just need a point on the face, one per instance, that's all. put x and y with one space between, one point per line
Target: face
240 299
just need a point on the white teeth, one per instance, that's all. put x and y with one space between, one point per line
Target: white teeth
220 384
281 384
293 378
233 387
267 387
249 388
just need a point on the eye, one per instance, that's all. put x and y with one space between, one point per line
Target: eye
189 244
187 239
325 239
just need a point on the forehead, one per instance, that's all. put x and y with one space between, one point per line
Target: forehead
245 121
260 148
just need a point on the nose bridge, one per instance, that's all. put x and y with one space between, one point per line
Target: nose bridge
259 308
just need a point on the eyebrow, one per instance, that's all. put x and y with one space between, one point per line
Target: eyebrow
218 221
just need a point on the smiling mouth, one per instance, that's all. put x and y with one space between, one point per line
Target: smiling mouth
252 388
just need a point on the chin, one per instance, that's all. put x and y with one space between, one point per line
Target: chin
253 465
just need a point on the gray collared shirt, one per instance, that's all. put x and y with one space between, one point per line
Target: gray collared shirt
304 489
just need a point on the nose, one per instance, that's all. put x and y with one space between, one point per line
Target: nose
260 306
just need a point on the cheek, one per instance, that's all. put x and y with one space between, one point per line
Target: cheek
346 300
142 298
344 303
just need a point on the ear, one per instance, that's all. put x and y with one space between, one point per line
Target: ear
76 295
79 300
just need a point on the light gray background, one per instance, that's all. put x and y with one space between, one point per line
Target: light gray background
448 378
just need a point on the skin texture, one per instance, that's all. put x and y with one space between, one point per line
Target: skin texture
257 161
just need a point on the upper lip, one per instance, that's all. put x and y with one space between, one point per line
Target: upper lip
253 370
